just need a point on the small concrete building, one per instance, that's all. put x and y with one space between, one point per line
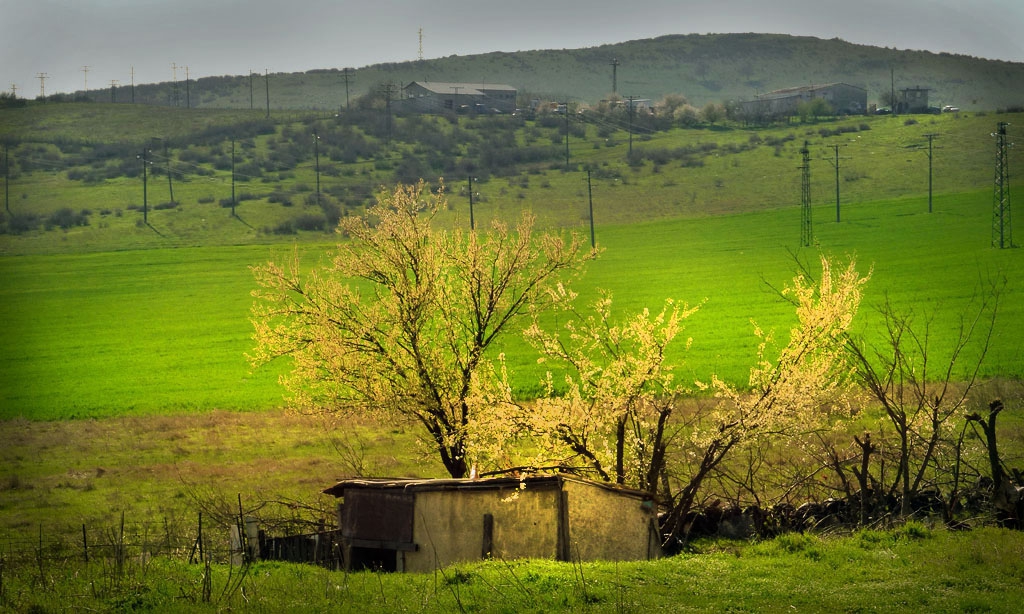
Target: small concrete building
912 100
444 97
421 524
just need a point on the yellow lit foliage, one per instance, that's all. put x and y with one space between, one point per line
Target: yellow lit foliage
619 390
398 326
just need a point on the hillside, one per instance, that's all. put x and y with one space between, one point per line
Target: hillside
704 68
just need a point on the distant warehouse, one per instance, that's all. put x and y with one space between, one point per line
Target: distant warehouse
443 97
842 98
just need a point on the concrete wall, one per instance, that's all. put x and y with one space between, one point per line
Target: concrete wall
605 525
449 525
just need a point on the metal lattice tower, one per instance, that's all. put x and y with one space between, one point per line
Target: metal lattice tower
806 232
1002 229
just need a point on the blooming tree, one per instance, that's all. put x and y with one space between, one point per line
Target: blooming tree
785 393
399 324
619 390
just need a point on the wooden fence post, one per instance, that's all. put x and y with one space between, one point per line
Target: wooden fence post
85 544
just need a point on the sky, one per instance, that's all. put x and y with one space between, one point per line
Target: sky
116 38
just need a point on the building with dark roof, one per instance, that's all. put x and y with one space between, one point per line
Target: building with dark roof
842 98
445 97
421 524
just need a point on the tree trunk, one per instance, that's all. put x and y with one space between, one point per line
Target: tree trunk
863 478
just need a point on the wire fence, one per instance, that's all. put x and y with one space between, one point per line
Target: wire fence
200 540
128 540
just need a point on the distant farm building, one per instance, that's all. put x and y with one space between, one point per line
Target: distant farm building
842 98
443 97
418 525
912 100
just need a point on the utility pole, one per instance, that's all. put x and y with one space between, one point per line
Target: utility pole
836 164
42 84
421 46
133 84
14 90
167 166
316 154
631 99
615 76
566 105
806 231
145 183
345 73
233 178
174 87
85 79
1002 229
590 200
388 93
113 85
930 137
266 72
7 178
188 100
892 90
472 223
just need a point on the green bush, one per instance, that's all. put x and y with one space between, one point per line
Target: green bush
65 218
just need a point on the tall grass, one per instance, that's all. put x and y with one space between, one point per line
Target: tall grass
898 571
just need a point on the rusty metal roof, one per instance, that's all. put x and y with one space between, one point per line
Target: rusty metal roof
451 484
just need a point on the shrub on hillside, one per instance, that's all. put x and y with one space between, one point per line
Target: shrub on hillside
19 223
66 218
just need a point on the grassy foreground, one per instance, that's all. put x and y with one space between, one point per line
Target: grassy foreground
909 569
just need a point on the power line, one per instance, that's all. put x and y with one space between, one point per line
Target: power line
266 72
806 232
345 73
931 137
42 87
836 165
174 88
1002 228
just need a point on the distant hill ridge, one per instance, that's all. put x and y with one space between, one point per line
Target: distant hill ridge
705 68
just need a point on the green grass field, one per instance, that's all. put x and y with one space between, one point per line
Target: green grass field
166 330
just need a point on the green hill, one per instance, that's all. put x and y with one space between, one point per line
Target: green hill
704 68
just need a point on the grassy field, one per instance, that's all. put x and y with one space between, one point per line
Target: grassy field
675 174
125 317
151 331
911 569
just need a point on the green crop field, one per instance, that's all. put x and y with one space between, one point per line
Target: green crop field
166 330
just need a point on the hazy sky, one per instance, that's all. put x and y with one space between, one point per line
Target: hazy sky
218 37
